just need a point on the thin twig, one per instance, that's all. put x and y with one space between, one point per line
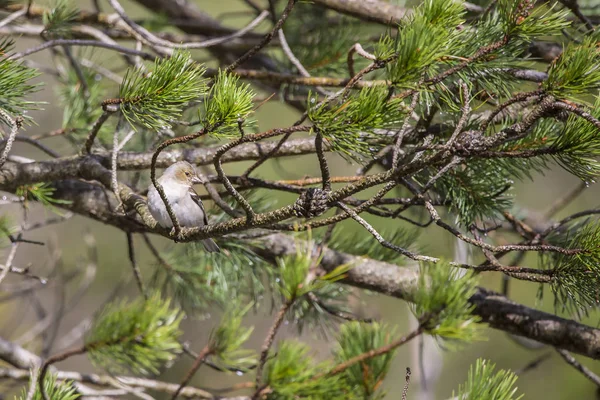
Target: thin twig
153 39
357 48
326 175
573 5
117 146
372 353
12 17
110 381
517 98
381 240
54 359
108 110
250 214
268 342
265 40
81 42
564 201
290 54
403 130
465 113
9 260
35 143
577 111
33 382
134 266
405 390
578 366
206 351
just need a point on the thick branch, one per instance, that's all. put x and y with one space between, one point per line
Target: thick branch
495 309
369 10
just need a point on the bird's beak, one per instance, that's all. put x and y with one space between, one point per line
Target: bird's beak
196 179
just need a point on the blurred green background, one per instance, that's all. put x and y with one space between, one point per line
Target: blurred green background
552 379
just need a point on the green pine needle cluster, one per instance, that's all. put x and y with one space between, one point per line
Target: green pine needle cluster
293 272
294 282
573 145
576 71
155 99
196 279
139 336
349 124
54 390
423 38
59 19
227 339
356 338
513 24
442 301
290 375
80 112
484 383
43 194
523 20
475 192
577 148
575 278
15 83
227 104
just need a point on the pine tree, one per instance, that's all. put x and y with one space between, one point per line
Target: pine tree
436 110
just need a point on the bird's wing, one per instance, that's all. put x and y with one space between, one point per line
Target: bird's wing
196 197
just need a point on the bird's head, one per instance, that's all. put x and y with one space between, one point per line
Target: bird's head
183 173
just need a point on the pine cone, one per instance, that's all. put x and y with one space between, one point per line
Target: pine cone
311 203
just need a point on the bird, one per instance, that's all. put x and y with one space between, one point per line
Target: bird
177 181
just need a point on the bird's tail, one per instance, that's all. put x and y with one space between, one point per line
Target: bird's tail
211 246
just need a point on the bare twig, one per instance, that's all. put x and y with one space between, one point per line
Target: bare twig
156 41
403 130
136 270
81 42
465 113
268 342
89 142
372 353
573 5
564 201
8 264
326 175
405 390
380 238
577 365
358 49
12 17
110 381
206 351
266 39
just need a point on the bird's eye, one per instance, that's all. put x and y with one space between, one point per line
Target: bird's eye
187 173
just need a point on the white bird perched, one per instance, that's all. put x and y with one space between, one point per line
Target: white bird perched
177 182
